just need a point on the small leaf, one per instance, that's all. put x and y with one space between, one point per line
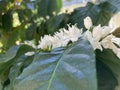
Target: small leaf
31 30
7 21
117 32
53 24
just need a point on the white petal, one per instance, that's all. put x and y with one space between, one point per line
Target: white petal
107 42
97 32
116 40
115 21
95 44
100 32
106 30
88 22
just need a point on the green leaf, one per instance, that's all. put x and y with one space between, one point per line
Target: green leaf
7 21
70 69
105 77
47 7
18 67
13 52
31 30
115 4
78 15
54 23
9 58
1 86
10 54
113 62
117 32
104 14
99 13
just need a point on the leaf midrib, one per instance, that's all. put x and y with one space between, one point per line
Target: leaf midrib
53 74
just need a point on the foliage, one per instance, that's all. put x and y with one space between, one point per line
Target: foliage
109 59
67 69
100 13
76 66
21 19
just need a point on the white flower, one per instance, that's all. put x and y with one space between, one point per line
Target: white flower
95 44
62 36
88 22
46 42
97 34
101 36
108 44
60 39
74 33
100 32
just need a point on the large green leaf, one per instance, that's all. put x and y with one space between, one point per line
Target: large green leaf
113 62
70 69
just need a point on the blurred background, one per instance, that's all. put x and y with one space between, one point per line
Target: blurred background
22 20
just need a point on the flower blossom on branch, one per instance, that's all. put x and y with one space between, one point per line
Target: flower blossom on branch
102 37
108 43
60 39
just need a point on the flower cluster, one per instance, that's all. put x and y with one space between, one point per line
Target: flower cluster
60 39
102 37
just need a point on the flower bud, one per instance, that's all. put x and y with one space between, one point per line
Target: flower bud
88 22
